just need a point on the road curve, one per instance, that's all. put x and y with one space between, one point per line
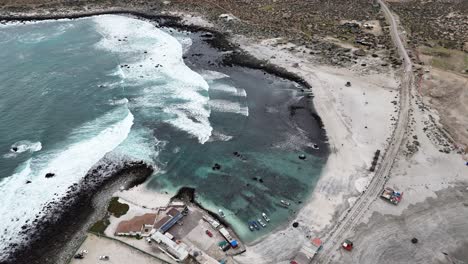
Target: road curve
354 215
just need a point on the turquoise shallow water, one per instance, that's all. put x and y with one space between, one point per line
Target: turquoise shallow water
268 141
73 90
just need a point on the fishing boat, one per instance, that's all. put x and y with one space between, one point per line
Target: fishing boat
261 222
251 227
265 217
221 213
284 203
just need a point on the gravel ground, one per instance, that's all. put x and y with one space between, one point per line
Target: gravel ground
117 252
440 225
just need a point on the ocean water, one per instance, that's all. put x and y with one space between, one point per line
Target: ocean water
72 91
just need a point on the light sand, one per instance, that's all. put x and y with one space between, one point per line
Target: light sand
143 197
433 208
118 253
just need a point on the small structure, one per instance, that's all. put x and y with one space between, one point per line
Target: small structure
137 226
391 195
308 252
175 250
348 245
316 244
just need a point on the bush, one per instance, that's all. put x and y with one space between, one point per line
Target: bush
100 226
116 208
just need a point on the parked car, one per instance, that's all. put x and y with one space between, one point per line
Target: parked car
208 232
103 257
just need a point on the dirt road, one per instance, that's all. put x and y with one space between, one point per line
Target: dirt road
353 216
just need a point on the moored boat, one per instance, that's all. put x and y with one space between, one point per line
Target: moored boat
251 227
285 203
261 222
256 225
221 213
265 217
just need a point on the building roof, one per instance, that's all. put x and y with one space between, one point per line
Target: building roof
135 224
177 250
162 222
173 212
317 242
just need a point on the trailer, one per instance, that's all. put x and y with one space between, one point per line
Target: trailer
391 195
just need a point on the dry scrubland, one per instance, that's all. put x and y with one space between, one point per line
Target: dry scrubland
438 36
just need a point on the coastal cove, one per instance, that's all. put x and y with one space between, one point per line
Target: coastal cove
203 104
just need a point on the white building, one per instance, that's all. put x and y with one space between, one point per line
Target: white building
174 250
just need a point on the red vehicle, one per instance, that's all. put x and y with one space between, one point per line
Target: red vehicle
209 233
348 245
293 262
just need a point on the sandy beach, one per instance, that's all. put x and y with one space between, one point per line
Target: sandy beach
121 253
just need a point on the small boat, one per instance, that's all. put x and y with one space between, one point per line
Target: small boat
261 222
255 224
284 203
221 213
265 217
251 227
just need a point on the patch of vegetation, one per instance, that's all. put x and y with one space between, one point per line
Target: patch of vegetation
447 59
100 226
437 51
116 208
267 8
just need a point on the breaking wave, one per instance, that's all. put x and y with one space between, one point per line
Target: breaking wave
149 56
23 146
23 193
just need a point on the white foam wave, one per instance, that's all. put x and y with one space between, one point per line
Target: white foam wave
228 89
218 136
122 101
229 107
21 201
213 75
36 37
21 147
183 39
153 58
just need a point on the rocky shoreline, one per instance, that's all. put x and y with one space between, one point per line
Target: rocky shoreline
66 216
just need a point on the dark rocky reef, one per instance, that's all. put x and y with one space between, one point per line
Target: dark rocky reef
46 235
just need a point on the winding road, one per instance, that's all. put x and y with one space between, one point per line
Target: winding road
354 215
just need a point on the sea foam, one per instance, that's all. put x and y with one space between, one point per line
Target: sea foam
152 58
229 107
228 89
21 147
22 201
